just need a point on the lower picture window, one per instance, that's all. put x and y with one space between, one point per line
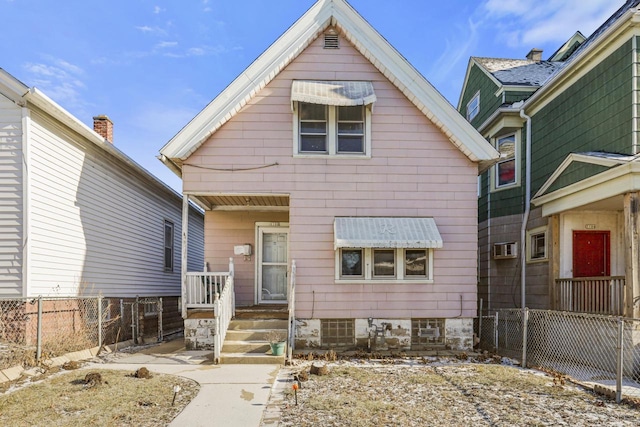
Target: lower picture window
537 244
351 263
415 262
383 264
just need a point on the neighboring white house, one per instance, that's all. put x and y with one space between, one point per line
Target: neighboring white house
77 216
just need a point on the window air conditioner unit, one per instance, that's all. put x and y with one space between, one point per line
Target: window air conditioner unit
505 250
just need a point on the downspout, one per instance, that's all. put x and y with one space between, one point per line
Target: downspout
527 208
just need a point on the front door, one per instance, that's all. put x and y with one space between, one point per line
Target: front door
591 253
273 262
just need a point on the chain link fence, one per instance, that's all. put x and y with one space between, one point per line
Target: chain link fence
33 329
602 350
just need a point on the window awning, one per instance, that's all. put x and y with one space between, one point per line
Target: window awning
339 93
386 233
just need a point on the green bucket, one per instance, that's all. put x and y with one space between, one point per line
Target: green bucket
277 348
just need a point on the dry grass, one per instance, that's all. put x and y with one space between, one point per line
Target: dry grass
466 394
121 400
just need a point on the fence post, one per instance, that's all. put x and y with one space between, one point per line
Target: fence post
525 329
480 321
39 331
495 332
160 331
620 359
99 322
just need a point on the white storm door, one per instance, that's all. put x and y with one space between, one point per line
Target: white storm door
273 262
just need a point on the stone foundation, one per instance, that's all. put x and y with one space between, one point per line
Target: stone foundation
393 334
198 334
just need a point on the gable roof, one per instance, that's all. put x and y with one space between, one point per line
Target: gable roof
369 43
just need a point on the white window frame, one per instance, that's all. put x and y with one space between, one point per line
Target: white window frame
171 246
516 154
367 267
473 107
536 232
332 135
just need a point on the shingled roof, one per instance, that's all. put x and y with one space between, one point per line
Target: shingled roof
519 72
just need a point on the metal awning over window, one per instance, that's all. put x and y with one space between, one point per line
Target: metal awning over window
339 93
386 233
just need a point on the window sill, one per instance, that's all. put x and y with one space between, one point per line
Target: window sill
505 187
383 281
331 156
537 261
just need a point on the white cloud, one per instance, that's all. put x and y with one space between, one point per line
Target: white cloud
456 50
158 9
164 45
60 80
535 22
151 30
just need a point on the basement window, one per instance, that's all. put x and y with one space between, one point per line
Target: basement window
337 332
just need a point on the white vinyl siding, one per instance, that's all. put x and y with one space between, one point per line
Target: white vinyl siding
11 199
97 227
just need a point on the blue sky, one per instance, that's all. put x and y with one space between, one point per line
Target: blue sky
152 65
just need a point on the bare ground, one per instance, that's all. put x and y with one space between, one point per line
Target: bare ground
437 392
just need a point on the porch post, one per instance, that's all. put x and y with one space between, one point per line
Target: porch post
185 244
632 253
554 260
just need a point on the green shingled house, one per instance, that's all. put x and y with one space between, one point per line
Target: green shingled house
560 211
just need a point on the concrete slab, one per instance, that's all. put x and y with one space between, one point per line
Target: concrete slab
230 395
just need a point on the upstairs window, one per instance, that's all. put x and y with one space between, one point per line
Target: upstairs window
506 168
332 118
473 107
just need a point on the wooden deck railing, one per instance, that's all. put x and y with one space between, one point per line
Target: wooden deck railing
600 295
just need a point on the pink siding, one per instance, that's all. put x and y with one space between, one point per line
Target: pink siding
414 171
223 231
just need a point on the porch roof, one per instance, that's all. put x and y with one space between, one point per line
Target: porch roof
340 93
386 232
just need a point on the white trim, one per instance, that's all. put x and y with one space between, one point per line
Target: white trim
367 267
518 168
332 136
605 44
617 181
530 234
475 97
261 229
26 201
502 90
370 43
634 95
576 157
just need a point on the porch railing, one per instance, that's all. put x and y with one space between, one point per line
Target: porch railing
598 295
291 296
224 309
205 290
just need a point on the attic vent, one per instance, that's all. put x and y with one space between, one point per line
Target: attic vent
331 41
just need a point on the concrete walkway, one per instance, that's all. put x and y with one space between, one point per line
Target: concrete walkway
230 395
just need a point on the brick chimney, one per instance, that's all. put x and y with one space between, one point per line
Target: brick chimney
535 55
104 127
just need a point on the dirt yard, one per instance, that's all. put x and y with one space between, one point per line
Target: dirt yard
436 392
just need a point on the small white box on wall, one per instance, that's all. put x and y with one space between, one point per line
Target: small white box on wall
242 250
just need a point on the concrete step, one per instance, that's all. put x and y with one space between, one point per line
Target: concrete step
263 312
245 347
259 324
251 359
250 334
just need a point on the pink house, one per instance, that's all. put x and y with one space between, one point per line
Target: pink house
343 186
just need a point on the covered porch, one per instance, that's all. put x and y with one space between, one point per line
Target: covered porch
594 240
246 265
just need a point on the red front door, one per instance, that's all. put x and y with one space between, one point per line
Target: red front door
591 253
